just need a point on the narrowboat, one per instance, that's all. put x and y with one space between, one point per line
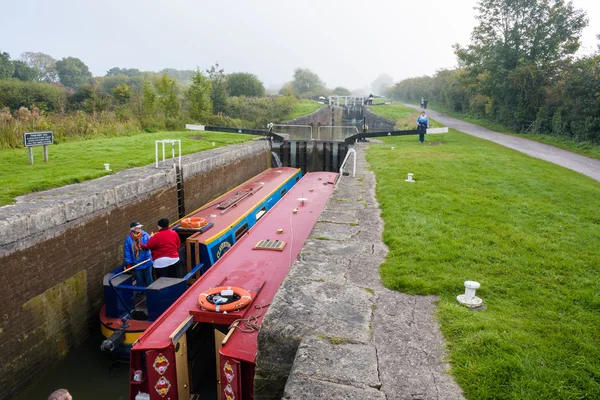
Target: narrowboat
206 235
200 348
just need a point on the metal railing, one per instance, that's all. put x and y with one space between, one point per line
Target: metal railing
350 151
140 288
172 142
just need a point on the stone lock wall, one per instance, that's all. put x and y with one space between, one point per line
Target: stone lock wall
375 121
56 246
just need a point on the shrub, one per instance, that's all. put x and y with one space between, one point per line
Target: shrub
215 120
15 94
174 124
260 111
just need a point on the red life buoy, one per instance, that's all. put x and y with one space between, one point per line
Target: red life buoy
242 299
193 222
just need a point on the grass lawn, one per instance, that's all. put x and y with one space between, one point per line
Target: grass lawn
380 100
583 148
303 108
405 117
73 162
528 231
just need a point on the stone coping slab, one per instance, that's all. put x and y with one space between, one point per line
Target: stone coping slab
337 360
314 389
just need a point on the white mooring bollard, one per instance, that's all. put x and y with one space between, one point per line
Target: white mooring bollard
410 178
469 299
107 167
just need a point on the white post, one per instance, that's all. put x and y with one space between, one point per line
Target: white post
469 299
156 152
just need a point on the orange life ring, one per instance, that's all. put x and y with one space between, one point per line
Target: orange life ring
193 222
242 300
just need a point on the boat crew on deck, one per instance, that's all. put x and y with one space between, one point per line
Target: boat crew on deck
165 250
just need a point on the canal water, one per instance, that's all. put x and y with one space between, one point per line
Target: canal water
86 372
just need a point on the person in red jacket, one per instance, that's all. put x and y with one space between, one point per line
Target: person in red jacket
165 250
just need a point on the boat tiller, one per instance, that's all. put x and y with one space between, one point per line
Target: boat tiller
114 340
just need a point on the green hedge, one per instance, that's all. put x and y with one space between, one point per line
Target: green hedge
15 94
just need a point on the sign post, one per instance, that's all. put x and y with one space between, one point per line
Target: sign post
38 139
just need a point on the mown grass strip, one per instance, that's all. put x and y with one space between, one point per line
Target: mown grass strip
303 108
73 162
528 231
405 117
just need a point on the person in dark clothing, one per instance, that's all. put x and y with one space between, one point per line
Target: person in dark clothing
425 105
165 250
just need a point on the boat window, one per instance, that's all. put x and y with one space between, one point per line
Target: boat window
240 231
283 191
260 213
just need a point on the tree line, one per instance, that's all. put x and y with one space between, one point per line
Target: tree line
520 70
38 92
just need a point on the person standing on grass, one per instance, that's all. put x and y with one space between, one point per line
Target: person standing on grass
134 254
422 125
165 250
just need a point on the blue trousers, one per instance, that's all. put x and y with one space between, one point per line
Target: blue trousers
143 277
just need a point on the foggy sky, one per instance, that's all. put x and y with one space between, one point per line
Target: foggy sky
347 43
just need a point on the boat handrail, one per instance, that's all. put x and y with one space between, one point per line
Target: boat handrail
128 316
192 272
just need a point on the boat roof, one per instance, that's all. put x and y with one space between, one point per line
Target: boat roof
258 271
248 195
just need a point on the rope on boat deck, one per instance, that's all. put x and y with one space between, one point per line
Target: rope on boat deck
250 322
